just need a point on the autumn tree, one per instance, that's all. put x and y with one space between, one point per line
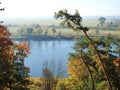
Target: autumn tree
5 45
14 74
95 56
77 71
108 49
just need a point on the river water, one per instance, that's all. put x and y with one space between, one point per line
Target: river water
52 51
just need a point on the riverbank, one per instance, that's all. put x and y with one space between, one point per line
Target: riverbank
48 38
42 38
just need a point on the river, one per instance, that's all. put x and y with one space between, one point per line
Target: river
56 51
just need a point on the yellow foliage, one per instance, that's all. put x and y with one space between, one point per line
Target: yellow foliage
76 68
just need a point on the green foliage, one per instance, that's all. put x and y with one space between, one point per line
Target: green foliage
102 86
53 30
106 49
71 21
102 20
96 54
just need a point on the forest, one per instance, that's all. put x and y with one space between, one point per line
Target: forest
94 64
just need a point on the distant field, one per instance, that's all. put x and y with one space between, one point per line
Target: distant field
90 23
63 31
68 32
13 29
114 32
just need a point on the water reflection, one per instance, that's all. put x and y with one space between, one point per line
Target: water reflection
57 50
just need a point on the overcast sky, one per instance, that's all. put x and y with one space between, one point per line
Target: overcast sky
40 8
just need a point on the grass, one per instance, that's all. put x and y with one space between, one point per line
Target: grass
90 23
13 30
35 83
114 32
68 32
64 32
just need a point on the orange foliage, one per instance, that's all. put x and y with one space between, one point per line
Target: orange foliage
12 60
4 33
10 53
23 46
2 28
117 62
9 48
4 37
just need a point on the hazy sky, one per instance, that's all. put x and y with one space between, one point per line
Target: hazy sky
40 8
